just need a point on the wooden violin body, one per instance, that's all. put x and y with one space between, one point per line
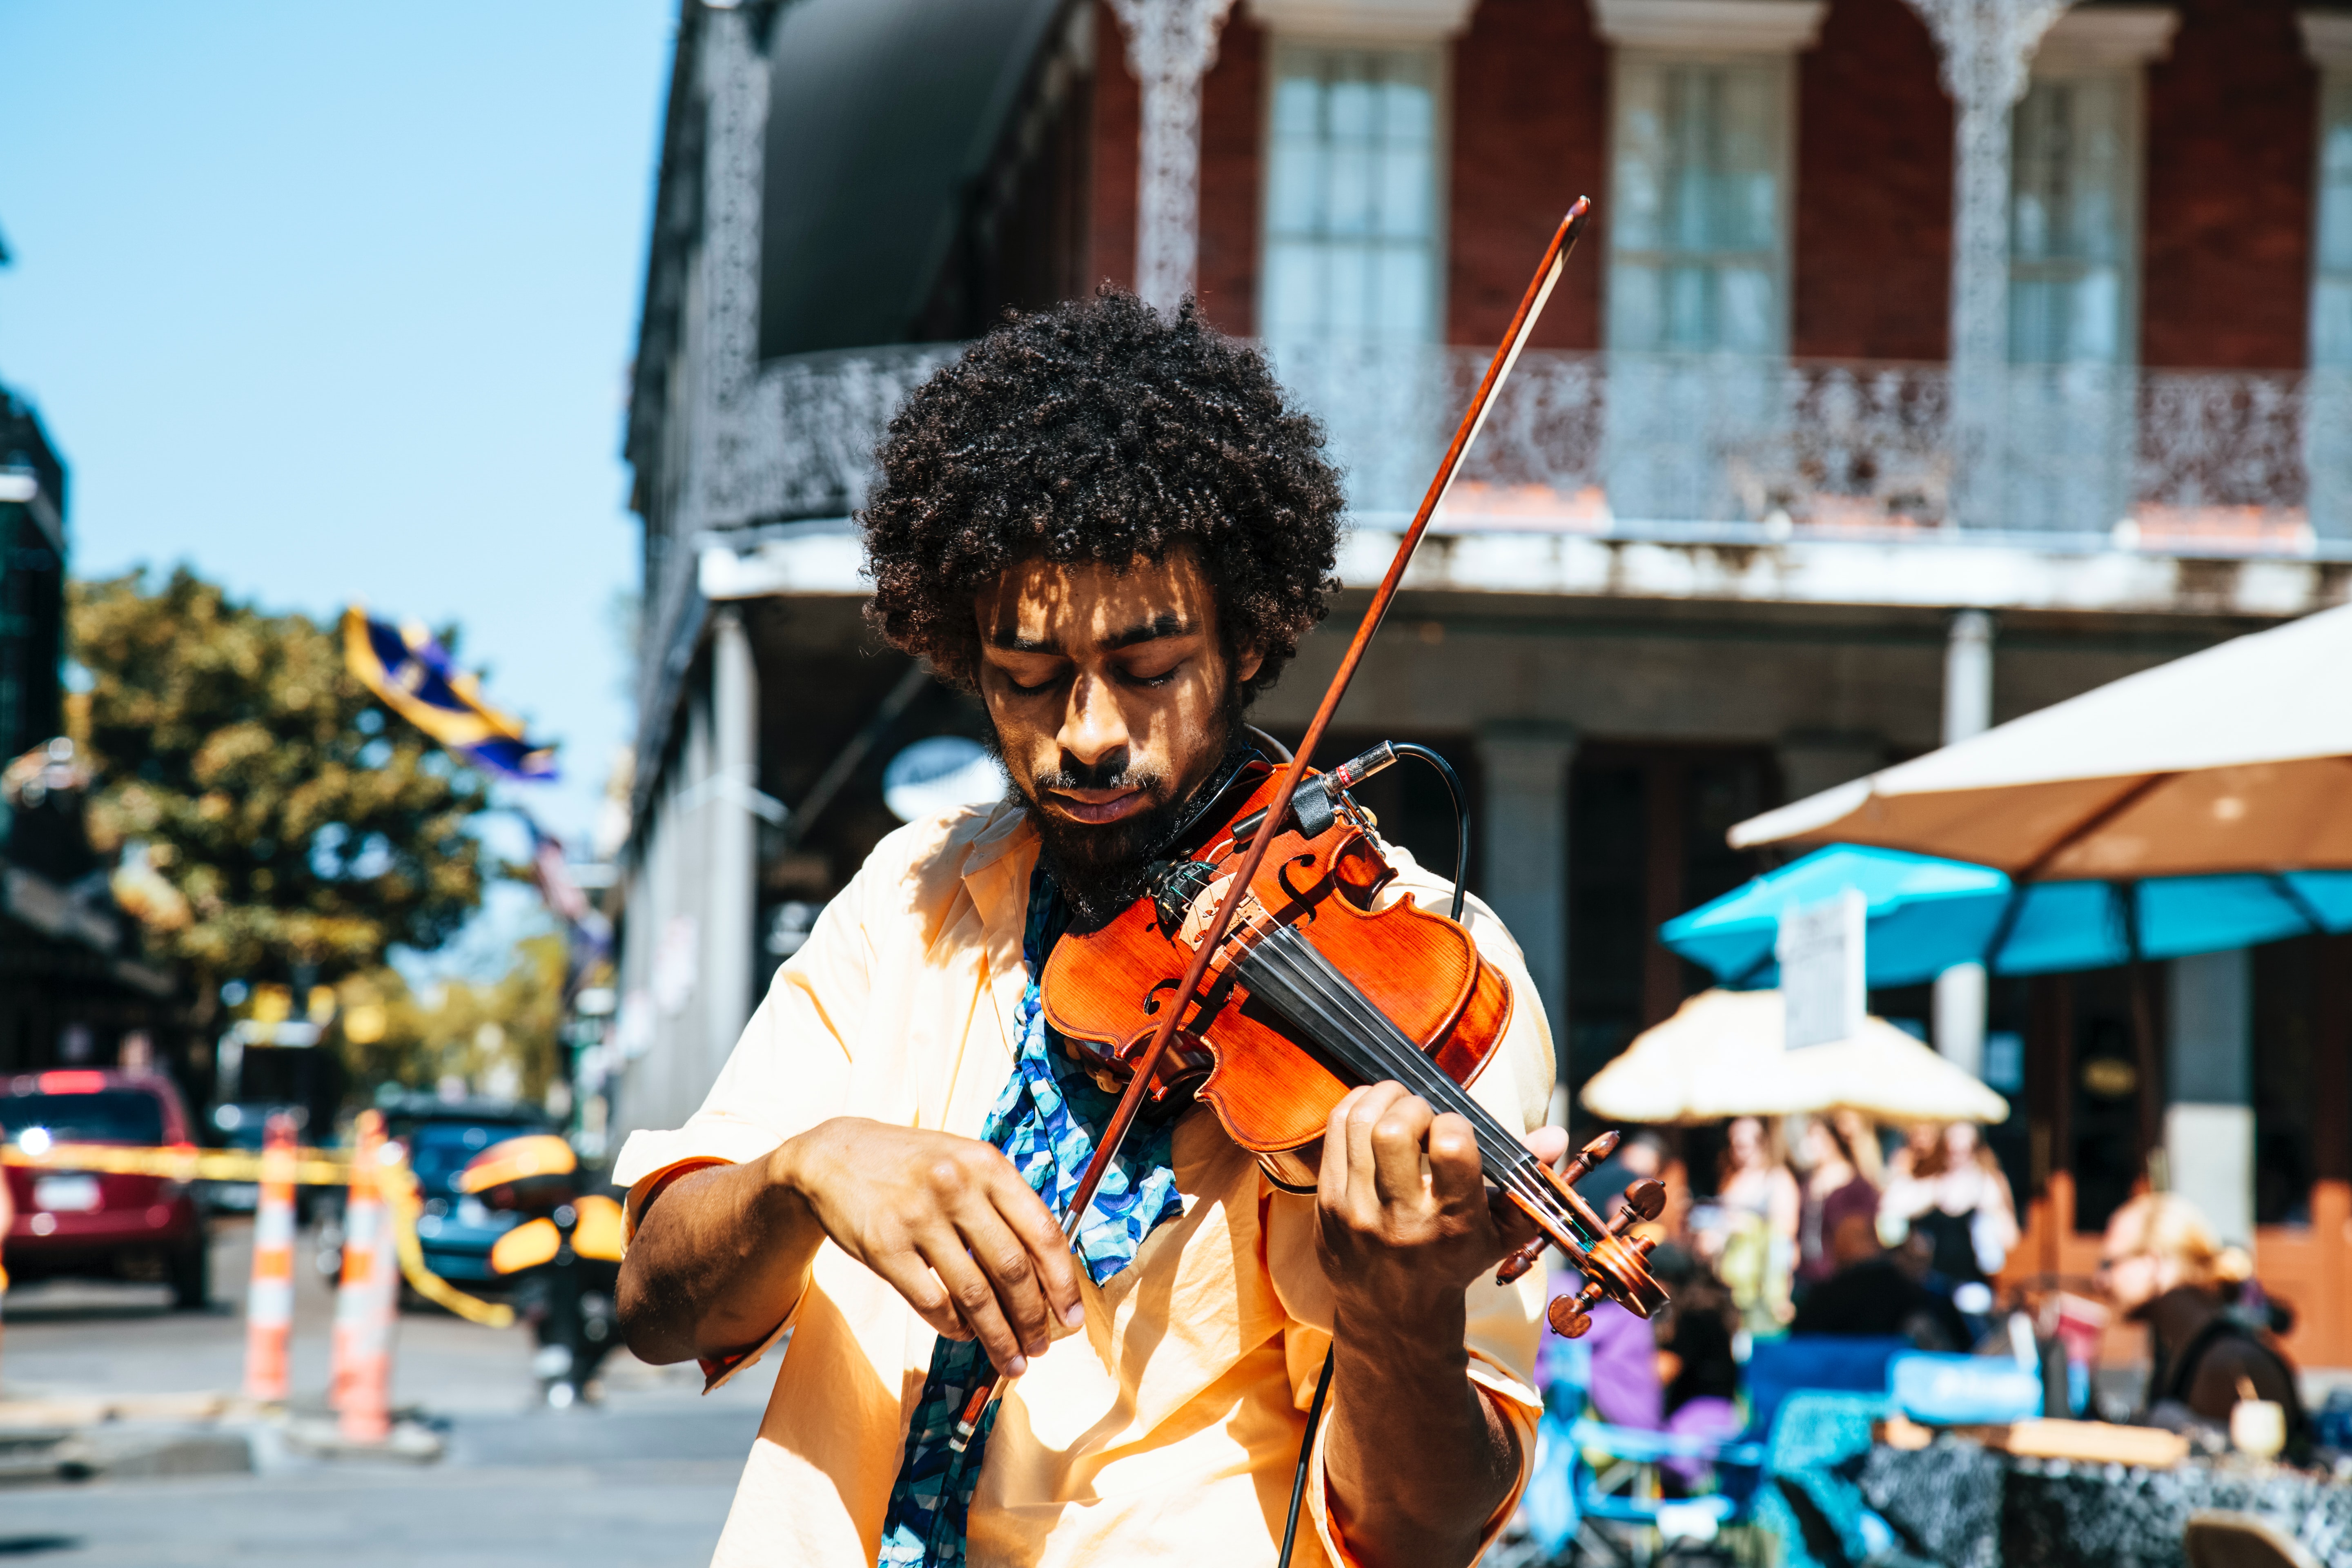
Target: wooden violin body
1272 1090
1314 990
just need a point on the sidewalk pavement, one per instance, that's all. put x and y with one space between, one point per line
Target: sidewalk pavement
642 1479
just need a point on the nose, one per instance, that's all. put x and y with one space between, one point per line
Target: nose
1094 731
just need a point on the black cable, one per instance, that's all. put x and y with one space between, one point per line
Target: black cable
1306 1448
1460 817
1323 1384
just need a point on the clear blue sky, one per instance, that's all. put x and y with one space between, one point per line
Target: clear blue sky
337 300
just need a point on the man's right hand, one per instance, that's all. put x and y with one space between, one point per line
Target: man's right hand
948 1222
721 1254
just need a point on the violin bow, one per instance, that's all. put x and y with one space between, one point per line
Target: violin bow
1277 806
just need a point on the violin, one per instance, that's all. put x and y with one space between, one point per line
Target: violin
1315 989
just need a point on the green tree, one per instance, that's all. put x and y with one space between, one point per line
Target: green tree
390 1033
302 828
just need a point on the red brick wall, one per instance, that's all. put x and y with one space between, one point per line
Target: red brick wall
1872 235
1118 124
1232 129
1530 134
2232 126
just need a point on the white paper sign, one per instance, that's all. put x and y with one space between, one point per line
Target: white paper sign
1822 983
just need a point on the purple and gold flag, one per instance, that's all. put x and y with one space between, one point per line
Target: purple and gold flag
411 674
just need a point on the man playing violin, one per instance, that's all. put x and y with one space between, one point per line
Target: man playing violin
1108 525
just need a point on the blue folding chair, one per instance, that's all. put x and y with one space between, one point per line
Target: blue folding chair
1596 1492
1836 1364
1816 1515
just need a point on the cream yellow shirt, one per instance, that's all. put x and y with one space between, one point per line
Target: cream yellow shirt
1163 1431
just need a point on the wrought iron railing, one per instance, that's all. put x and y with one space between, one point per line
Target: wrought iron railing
1632 444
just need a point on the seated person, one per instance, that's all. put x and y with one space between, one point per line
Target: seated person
1875 1295
1694 1332
2162 1265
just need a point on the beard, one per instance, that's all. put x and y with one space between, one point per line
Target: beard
1102 868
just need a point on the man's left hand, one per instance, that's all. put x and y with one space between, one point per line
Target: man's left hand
1406 1220
1417 1460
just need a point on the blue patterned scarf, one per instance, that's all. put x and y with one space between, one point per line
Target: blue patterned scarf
1045 1120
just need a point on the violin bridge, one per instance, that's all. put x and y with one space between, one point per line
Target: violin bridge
1204 910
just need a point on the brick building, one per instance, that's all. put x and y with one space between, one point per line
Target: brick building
1914 375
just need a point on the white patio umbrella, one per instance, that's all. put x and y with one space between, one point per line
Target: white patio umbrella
1723 1054
2236 759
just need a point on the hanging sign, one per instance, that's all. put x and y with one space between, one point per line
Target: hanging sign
1822 975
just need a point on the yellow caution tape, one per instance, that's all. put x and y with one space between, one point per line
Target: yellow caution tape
314 1167
186 1163
407 1203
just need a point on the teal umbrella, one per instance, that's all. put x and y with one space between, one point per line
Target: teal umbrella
1927 914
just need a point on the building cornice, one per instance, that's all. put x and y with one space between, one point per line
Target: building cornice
2079 574
1364 21
1708 26
2106 37
2328 38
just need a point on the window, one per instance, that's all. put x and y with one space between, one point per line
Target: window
1698 238
2331 284
1352 226
2072 227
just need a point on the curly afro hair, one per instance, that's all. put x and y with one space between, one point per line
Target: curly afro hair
1101 430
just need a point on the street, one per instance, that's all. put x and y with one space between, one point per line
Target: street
640 1480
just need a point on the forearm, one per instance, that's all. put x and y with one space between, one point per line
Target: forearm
1417 1460
717 1261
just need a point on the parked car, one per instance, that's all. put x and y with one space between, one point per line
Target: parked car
457 1229
98 1224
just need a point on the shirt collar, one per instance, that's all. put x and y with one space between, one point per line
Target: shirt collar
996 878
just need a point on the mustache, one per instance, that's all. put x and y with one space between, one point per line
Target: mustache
1109 774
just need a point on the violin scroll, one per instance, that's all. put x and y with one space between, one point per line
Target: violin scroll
1613 1265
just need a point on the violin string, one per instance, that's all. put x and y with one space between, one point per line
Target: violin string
1311 977
1394 1050
1402 1060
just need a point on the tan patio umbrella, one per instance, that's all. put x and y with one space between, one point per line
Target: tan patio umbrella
1722 1055
2235 759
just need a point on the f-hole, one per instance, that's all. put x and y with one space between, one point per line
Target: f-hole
1151 997
1298 895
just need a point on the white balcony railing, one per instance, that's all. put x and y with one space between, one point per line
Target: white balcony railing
2218 462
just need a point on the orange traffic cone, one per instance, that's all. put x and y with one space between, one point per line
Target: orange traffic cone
269 1304
368 1297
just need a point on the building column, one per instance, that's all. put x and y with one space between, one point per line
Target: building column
1984 45
734 430
1171 45
1524 845
2208 1120
730 875
1960 990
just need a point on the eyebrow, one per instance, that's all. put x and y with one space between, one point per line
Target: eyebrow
1167 623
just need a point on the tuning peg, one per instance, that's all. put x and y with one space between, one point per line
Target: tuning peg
1571 1316
1588 1157
1644 1201
1519 1262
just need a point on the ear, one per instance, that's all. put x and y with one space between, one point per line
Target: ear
1246 663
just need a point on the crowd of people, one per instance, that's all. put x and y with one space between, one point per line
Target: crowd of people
1818 1226
1837 1235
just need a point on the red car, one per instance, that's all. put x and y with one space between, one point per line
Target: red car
97 1225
